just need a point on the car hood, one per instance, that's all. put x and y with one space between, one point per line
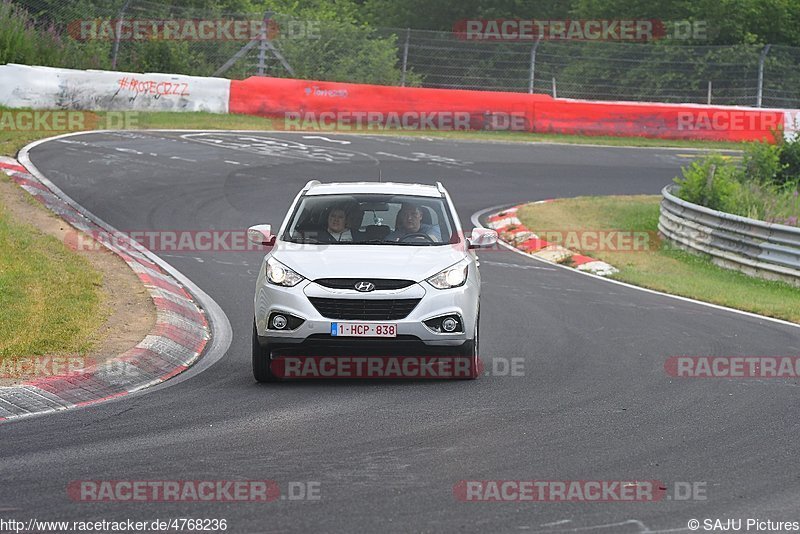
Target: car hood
368 261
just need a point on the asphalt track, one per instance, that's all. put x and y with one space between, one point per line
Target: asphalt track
594 402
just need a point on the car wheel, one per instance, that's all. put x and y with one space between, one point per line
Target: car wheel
470 351
261 361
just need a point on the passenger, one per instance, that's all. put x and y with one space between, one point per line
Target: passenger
337 227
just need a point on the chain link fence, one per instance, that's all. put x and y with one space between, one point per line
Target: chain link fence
661 71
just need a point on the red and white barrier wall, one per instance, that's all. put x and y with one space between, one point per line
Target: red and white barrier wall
49 88
275 97
23 86
542 113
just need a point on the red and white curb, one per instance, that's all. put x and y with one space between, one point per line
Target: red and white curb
177 340
511 230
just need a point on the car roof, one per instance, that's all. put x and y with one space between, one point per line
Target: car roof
387 188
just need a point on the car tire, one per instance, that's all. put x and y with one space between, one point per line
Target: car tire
469 350
262 371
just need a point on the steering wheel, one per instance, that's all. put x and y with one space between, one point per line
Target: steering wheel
417 235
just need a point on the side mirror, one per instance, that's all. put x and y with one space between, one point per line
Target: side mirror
482 238
261 234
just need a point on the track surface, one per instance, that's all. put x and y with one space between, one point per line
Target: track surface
594 402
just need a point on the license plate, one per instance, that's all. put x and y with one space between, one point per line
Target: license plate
363 330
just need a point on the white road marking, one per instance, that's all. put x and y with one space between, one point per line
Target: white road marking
276 147
129 151
396 156
73 142
554 523
340 141
517 266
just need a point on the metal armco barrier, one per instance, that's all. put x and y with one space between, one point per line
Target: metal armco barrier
757 248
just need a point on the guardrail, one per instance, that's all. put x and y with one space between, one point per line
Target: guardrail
757 248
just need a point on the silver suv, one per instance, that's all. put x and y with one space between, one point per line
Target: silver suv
371 269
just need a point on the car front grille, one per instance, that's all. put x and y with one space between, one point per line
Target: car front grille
350 283
364 309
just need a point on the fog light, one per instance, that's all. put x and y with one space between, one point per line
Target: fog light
449 324
279 322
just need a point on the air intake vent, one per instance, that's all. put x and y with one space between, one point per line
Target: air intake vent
364 309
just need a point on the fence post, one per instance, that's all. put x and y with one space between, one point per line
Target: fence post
761 58
709 184
405 57
262 47
116 37
709 93
554 88
533 66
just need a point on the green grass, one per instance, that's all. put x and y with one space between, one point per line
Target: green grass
50 297
661 266
11 141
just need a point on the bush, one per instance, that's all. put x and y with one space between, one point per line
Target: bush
712 182
762 162
24 41
750 191
790 162
776 164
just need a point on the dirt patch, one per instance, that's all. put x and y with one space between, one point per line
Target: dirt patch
125 301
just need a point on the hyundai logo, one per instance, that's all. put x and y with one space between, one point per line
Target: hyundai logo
365 286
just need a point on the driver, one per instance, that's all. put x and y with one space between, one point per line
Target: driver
409 221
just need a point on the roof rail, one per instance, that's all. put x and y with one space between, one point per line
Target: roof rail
310 184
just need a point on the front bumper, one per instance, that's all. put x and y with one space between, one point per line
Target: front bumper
412 333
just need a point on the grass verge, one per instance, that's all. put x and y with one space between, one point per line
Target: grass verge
11 140
50 297
659 266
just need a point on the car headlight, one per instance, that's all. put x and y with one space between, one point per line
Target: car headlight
281 275
451 277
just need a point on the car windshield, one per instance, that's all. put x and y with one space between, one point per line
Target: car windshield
369 219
